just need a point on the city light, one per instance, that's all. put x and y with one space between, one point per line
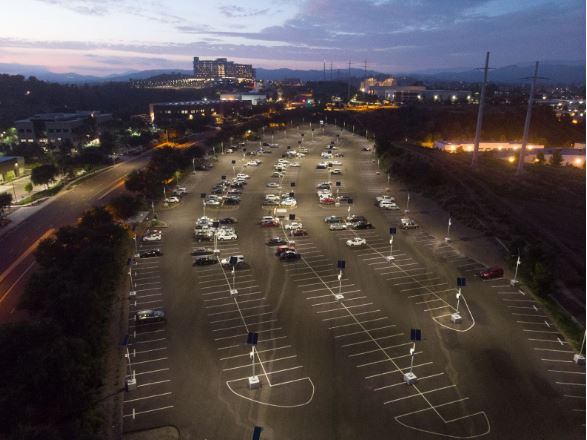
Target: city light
511 159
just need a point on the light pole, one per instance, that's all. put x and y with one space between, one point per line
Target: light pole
233 291
514 282
391 257
447 238
132 286
204 204
15 176
412 352
194 164
407 204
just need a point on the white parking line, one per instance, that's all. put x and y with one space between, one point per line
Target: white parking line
371 339
403 383
418 395
147 397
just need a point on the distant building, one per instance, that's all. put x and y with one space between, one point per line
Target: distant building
453 147
165 114
58 127
570 156
389 90
11 167
254 98
222 68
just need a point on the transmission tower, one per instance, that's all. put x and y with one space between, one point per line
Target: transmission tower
480 113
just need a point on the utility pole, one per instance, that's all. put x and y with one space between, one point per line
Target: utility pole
520 168
348 90
324 69
330 70
365 69
480 113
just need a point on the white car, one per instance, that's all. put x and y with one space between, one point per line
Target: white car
273 185
389 205
288 202
252 163
295 164
336 163
152 237
338 226
242 176
226 235
212 202
336 172
294 225
356 242
274 145
181 189
172 200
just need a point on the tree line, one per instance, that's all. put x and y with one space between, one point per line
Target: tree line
53 363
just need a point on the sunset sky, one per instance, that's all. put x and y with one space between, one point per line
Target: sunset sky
113 36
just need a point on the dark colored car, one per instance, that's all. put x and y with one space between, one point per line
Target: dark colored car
320 167
205 260
232 201
276 241
362 225
356 219
227 221
344 198
333 219
269 224
150 253
267 151
284 248
149 315
290 255
298 232
201 251
491 272
203 237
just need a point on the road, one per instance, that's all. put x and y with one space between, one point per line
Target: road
329 368
18 244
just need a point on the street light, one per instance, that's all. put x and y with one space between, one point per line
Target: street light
514 282
391 257
447 238
408 204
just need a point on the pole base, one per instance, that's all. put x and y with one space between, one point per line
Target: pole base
447 239
131 384
456 318
216 251
579 359
233 292
390 258
514 283
254 382
338 296
410 378
132 293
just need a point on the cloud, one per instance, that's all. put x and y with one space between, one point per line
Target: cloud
86 7
234 11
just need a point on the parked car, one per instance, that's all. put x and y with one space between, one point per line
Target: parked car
294 225
356 242
298 232
491 272
283 248
226 236
150 253
327 200
276 241
205 260
408 223
289 255
201 251
335 172
362 225
389 205
172 199
232 201
233 260
242 176
228 221
149 315
333 219
338 226
152 237
345 198
356 218
273 185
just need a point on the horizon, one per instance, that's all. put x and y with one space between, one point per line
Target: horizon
391 36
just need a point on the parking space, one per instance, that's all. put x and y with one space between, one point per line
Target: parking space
147 348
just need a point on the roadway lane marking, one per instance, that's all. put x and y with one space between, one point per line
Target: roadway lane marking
113 187
20 259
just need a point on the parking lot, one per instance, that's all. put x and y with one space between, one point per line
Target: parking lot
332 353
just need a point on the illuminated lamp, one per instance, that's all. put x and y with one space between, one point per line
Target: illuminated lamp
578 161
511 159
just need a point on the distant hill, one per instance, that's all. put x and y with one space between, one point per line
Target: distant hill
557 72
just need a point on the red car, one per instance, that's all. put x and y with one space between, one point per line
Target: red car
491 272
327 201
269 224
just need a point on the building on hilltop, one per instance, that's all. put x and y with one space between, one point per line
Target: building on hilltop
389 89
57 127
221 68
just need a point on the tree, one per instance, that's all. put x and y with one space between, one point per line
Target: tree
5 201
124 206
540 160
556 159
107 142
43 174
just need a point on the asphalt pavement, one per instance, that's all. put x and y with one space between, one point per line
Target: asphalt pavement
330 366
